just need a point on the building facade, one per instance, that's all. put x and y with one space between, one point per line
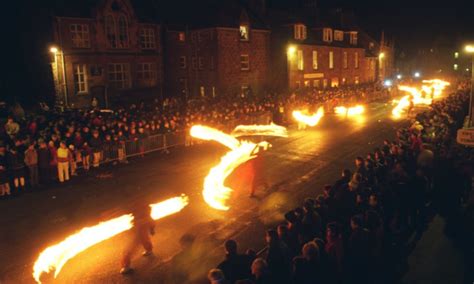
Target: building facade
222 59
107 54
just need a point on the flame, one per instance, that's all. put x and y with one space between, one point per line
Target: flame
55 256
215 193
403 104
349 111
260 130
310 120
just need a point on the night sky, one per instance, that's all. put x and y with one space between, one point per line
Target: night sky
412 24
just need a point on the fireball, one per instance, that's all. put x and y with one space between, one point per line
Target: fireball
349 111
310 120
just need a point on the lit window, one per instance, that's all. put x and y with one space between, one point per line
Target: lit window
456 67
202 91
244 32
182 36
147 38
316 83
299 59
356 60
327 35
80 35
344 60
244 62
146 74
456 55
119 75
356 80
335 82
353 38
300 31
315 59
182 62
331 59
338 35
80 78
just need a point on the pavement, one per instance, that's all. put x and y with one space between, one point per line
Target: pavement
187 244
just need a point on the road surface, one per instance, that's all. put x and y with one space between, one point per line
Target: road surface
187 244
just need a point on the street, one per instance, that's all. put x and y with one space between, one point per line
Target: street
188 244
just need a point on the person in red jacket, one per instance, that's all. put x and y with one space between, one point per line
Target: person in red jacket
143 227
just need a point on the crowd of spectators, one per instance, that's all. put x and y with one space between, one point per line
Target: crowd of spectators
358 229
44 147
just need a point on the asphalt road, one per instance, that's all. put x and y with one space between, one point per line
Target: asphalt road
297 167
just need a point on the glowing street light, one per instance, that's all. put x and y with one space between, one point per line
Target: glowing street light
381 55
291 51
417 74
399 76
53 49
470 49
388 83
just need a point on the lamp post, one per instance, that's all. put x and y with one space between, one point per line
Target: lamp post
470 49
381 66
290 53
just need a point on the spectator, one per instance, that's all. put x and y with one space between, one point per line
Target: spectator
216 276
43 163
31 161
260 271
12 128
96 145
235 266
63 162
4 181
86 156
17 168
278 258
53 160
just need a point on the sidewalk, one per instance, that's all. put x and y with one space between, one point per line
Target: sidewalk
435 259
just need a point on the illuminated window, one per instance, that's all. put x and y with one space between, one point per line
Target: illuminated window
80 35
335 82
331 59
338 35
353 38
147 38
327 35
316 83
182 36
80 78
299 60
119 75
300 31
244 33
202 91
315 59
182 62
356 80
244 62
356 60
456 55
456 67
344 60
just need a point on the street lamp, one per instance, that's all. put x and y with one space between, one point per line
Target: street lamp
381 55
470 49
417 75
399 76
53 50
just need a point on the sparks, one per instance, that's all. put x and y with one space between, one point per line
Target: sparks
349 111
310 120
56 256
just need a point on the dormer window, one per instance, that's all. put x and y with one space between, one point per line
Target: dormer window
300 31
244 32
338 35
327 35
182 36
353 38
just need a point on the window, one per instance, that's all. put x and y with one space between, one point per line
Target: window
353 38
182 36
202 91
182 62
356 80
110 31
119 75
200 63
194 62
122 32
325 83
327 35
147 38
343 81
146 71
334 82
316 83
244 62
300 31
356 60
211 63
331 59
80 35
244 32
80 78
338 35
213 91
456 55
315 59
344 60
299 60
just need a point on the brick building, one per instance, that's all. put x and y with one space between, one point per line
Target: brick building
310 54
107 50
223 56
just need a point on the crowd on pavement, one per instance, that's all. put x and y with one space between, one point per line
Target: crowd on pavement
360 228
46 147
